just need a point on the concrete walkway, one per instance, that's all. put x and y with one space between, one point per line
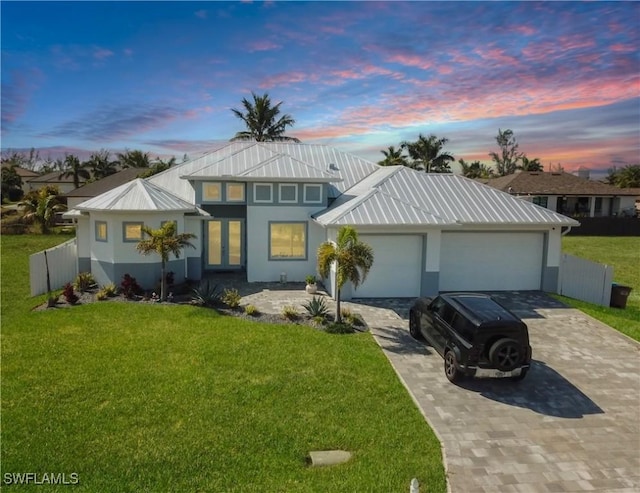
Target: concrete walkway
572 425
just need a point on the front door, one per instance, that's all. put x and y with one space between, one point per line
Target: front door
225 244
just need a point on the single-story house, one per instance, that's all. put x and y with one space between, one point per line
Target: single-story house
95 188
568 194
264 208
55 178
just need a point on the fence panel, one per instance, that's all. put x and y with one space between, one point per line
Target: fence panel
62 262
585 280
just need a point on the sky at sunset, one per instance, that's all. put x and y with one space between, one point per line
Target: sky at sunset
360 76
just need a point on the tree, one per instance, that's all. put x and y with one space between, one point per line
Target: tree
353 260
427 154
530 164
507 159
11 184
40 206
101 164
475 169
27 161
76 169
158 166
627 177
134 159
164 241
393 157
261 119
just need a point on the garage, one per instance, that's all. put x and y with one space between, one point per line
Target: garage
396 267
486 261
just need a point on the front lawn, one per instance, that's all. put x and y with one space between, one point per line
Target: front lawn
139 397
623 253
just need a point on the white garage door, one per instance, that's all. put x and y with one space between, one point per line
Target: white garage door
396 267
491 261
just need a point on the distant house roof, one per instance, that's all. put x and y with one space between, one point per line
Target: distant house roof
397 195
53 177
95 188
23 173
137 195
551 183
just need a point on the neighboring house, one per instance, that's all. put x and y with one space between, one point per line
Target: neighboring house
264 208
24 174
567 194
95 188
55 178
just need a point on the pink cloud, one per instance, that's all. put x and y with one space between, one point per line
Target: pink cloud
285 79
622 48
263 45
410 61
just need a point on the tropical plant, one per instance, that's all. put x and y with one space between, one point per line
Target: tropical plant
84 281
263 121
11 184
507 159
69 294
75 169
40 207
134 159
231 297
110 289
475 169
101 164
251 310
530 164
339 328
130 286
353 260
317 307
627 177
310 279
427 154
289 312
206 294
393 157
164 241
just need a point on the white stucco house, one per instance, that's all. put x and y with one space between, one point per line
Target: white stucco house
264 208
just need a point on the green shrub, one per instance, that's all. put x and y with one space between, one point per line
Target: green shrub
206 294
251 310
101 295
289 312
310 279
317 307
339 328
84 282
351 318
110 289
319 320
231 298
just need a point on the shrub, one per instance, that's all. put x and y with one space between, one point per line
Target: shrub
206 294
69 294
130 286
317 307
310 279
319 320
289 312
101 295
339 328
231 298
84 281
110 289
351 318
251 310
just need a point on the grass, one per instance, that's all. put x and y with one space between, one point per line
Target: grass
140 397
623 253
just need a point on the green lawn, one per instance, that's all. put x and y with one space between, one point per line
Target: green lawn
136 397
623 253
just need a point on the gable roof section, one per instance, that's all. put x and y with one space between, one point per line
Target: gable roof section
107 183
403 196
546 183
138 195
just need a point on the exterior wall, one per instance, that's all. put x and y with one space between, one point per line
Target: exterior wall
430 283
193 256
259 267
552 256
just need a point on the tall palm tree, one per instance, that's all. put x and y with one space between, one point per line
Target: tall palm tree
261 119
427 154
475 169
134 159
41 207
101 164
393 157
76 169
352 257
164 241
527 164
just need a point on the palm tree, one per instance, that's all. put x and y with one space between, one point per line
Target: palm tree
101 164
393 157
427 154
41 207
475 169
507 159
76 169
134 159
261 119
530 164
353 261
164 241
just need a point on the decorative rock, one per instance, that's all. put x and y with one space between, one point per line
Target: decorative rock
329 457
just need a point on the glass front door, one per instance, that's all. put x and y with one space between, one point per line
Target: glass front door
225 241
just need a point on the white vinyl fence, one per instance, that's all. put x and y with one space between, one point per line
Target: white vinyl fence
585 280
59 263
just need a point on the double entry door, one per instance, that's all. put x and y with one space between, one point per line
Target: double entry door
225 244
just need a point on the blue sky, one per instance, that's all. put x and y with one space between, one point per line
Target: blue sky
162 76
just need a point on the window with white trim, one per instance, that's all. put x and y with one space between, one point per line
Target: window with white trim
101 231
312 194
263 193
211 192
288 193
288 241
235 192
132 231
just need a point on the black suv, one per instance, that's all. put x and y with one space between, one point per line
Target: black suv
474 334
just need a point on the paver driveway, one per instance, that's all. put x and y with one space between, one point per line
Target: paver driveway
572 425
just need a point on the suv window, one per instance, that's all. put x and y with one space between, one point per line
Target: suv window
463 327
444 311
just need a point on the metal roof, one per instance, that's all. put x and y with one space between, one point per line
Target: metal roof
398 195
136 195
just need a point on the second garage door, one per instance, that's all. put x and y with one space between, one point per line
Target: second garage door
491 261
396 267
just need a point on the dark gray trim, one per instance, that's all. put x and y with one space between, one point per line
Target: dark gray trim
84 264
124 231
194 268
306 241
146 274
106 231
226 210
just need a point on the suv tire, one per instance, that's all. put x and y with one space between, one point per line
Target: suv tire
451 367
506 354
414 325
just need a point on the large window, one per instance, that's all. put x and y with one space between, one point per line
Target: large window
211 192
101 231
287 241
131 231
541 201
235 192
263 192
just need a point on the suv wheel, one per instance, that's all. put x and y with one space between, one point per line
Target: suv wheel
414 325
451 367
506 354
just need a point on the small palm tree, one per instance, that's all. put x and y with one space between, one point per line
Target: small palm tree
352 257
393 157
164 241
261 119
40 207
76 169
530 164
134 159
427 154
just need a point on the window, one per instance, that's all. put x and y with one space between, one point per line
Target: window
541 201
101 231
313 194
211 192
287 241
263 192
132 231
235 192
288 193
